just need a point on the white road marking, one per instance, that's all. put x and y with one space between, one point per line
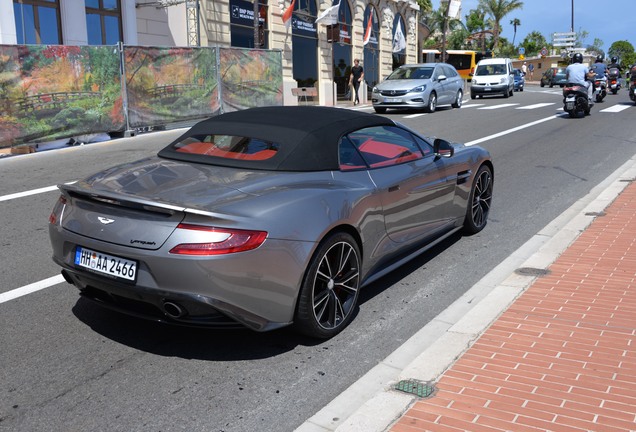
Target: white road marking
28 289
27 193
472 105
499 106
535 106
31 192
415 115
509 131
616 108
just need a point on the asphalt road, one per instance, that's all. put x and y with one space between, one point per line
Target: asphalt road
67 365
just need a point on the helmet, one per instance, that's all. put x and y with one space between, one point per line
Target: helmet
577 58
614 59
599 58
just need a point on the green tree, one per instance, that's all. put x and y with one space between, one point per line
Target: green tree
515 22
425 6
533 43
436 20
476 22
498 9
624 51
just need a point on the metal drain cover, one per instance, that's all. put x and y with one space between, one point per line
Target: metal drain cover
418 388
531 271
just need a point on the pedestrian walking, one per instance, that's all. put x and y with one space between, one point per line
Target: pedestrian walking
531 70
357 74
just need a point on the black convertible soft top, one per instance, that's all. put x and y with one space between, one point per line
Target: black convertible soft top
307 136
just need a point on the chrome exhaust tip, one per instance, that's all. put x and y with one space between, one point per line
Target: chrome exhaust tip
173 310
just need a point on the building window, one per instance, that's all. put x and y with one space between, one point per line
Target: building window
371 61
242 24
37 22
342 60
103 22
304 43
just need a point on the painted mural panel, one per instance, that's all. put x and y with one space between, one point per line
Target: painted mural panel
54 91
166 85
250 78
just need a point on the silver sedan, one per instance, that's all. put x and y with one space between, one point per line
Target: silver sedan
424 85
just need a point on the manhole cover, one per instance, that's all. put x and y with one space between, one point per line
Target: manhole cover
531 271
418 388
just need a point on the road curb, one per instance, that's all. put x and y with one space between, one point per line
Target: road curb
433 349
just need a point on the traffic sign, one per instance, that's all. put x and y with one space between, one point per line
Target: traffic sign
544 51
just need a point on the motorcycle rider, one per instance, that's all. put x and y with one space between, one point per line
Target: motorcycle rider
578 73
599 68
614 64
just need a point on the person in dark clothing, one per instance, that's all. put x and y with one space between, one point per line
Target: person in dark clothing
356 77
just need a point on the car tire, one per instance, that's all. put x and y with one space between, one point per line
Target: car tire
379 110
328 297
472 95
432 103
541 84
479 201
551 85
458 99
506 94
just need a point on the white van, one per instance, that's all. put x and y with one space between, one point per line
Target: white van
493 76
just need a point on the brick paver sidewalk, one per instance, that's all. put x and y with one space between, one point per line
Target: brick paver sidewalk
563 356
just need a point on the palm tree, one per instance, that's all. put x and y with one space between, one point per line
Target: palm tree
498 9
515 22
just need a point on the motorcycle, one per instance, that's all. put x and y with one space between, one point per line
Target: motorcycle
575 100
614 80
600 88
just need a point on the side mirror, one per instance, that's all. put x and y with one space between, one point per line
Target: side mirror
441 78
443 148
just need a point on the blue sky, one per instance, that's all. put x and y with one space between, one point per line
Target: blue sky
609 21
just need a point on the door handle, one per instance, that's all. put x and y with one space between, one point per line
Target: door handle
394 188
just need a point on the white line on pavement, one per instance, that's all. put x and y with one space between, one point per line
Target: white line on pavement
494 107
509 131
31 192
616 108
539 105
28 289
414 115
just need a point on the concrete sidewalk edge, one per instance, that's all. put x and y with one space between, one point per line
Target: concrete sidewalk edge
370 404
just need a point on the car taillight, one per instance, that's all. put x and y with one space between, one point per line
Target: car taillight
57 210
219 241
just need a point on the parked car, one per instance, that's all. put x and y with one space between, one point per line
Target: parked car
553 76
424 85
266 217
493 76
520 80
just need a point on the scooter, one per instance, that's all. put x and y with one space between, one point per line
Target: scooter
575 100
614 81
600 86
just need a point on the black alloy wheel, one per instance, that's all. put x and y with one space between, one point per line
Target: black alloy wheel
479 201
329 294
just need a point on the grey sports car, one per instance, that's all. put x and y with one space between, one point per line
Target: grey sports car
266 217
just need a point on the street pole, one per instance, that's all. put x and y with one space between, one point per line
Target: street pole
572 26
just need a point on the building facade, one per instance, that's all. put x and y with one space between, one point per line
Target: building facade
316 56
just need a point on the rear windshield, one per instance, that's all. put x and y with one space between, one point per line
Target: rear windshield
411 73
227 147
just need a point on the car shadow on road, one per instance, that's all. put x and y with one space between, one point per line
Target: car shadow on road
187 342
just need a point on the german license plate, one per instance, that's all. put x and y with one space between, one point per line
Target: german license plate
391 100
569 105
487 89
105 264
